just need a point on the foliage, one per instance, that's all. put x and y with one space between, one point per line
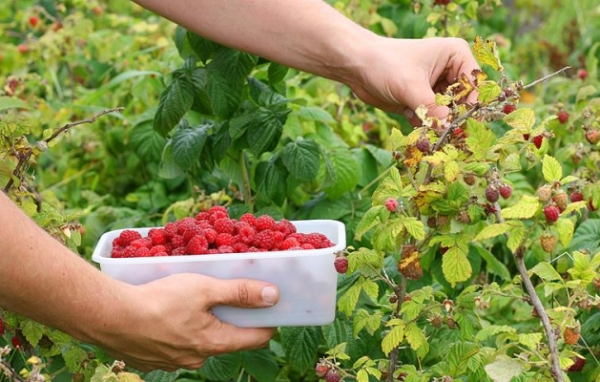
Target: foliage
450 285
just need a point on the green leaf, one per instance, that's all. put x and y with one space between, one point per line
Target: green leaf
337 332
175 101
492 230
240 123
188 143
313 113
414 227
161 376
494 265
302 159
234 65
168 168
270 178
267 131
260 364
74 356
456 266
223 367
300 344
565 228
394 337
102 373
458 357
225 97
32 331
503 369
546 272
551 169
276 73
526 208
488 91
202 47
531 340
147 143
415 336
370 219
12 103
587 236
480 139
521 120
347 173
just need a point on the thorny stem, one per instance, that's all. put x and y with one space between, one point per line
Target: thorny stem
539 307
401 293
7 368
25 156
546 77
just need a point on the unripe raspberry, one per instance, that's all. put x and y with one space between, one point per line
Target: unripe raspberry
544 193
592 136
341 264
571 335
463 217
492 194
391 204
321 369
548 242
563 116
552 213
505 191
423 145
561 199
469 179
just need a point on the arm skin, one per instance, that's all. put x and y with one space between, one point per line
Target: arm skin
164 324
396 75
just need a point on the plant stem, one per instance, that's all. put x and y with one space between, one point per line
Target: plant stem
545 77
7 368
539 307
401 293
246 190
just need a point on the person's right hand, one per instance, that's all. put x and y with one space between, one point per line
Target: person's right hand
170 324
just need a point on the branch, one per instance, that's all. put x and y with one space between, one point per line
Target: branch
10 372
539 307
401 293
545 78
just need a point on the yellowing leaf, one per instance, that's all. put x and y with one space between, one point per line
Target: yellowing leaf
515 237
488 91
492 231
456 266
442 100
521 119
486 53
451 171
414 336
397 139
393 338
526 208
551 169
565 228
414 227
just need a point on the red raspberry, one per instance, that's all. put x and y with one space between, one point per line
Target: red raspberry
505 191
224 225
391 204
143 252
218 210
576 196
288 243
204 224
592 136
157 249
16 343
198 245
224 239
160 254
264 222
577 366
253 249
341 264
126 237
202 216
423 145
563 116
307 246
170 229
178 251
459 133
277 239
552 213
184 224
129 251
177 241
191 232
142 243
509 108
213 251
321 369
226 249
582 74
248 218
1 327
492 194
211 235
117 252
285 226
538 140
245 232
158 236
264 239
240 247
317 240
33 21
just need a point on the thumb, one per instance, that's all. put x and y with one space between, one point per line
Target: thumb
424 96
242 293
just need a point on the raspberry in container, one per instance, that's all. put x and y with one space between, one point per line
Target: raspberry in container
306 278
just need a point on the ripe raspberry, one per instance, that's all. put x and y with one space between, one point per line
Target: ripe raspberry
509 108
33 21
178 251
563 116
341 264
216 213
592 136
544 193
538 140
253 249
16 342
571 335
143 252
142 243
548 242
423 145
213 251
577 366
126 237
202 216
489 209
158 236
248 218
307 246
492 194
439 2
129 251
192 231
157 254
177 241
198 245
240 247
1 327
391 204
582 74
224 239
171 229
277 239
245 232
317 240
224 225
285 226
526 136
264 222
117 252
264 239
288 243
184 224
333 376
226 249
321 369
158 249
561 200
576 196
505 191
459 133
552 213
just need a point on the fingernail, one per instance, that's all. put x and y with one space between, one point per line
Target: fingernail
269 295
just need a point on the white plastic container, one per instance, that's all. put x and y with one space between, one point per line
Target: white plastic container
307 279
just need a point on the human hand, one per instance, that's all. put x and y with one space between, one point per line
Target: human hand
170 324
398 75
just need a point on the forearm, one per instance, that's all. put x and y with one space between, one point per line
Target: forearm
305 34
45 281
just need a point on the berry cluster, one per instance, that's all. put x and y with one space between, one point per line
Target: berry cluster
214 232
